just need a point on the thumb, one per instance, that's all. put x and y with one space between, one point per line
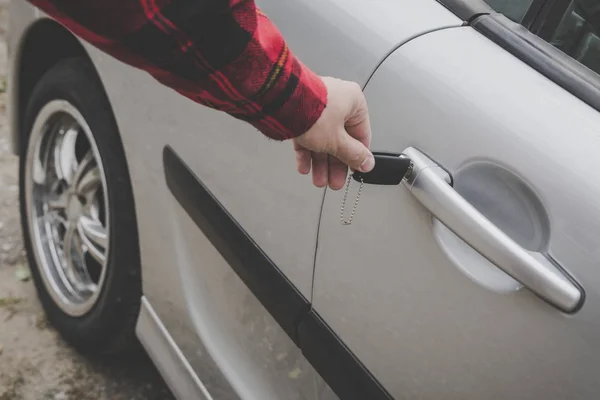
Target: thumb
354 154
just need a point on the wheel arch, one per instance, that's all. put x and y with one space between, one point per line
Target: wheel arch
42 45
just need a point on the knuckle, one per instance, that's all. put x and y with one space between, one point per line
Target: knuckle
335 146
350 154
357 157
355 87
338 147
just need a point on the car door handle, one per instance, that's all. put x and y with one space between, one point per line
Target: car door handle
432 186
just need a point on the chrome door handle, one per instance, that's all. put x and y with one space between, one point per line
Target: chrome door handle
431 185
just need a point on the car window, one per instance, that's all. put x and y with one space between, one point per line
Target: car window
577 32
573 26
512 9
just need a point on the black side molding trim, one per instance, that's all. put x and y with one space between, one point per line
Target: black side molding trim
336 364
276 293
542 56
328 355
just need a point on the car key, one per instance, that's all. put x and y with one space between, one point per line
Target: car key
389 169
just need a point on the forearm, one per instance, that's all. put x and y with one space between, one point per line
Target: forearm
224 54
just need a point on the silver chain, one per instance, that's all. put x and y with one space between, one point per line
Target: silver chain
345 199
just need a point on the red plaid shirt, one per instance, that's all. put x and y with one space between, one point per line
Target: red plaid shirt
224 54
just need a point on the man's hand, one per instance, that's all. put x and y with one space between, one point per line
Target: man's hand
339 139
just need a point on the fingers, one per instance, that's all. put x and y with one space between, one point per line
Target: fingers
303 159
354 153
320 169
356 139
341 135
337 173
361 131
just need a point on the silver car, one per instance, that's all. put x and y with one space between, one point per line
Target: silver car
472 274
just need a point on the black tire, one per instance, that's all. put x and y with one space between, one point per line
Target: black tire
109 326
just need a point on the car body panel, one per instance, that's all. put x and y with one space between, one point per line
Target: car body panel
401 303
272 204
173 366
228 337
428 315
349 38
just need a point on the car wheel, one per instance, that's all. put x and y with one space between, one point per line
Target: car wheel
77 211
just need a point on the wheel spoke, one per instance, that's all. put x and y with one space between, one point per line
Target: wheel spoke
39 170
94 250
65 254
94 231
65 160
44 155
89 180
70 252
75 269
81 170
85 281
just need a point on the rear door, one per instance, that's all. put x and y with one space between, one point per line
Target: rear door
478 277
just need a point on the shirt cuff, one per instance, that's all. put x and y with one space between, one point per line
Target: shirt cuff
296 106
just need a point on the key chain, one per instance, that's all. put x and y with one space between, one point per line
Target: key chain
390 169
355 202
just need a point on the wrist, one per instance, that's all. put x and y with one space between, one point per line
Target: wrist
301 99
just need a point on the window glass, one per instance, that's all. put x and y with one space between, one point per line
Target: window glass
577 33
573 26
512 9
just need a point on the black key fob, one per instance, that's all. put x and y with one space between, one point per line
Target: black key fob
389 169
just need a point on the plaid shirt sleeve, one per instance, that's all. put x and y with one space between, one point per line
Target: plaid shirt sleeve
224 54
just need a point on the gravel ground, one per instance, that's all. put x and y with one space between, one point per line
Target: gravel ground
35 364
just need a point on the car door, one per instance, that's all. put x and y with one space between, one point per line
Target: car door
227 226
477 276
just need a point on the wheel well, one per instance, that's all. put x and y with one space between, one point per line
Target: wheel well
46 43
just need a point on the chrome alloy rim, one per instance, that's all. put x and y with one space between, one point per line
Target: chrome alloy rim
67 205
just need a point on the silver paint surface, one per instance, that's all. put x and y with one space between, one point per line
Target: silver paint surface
229 339
424 327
